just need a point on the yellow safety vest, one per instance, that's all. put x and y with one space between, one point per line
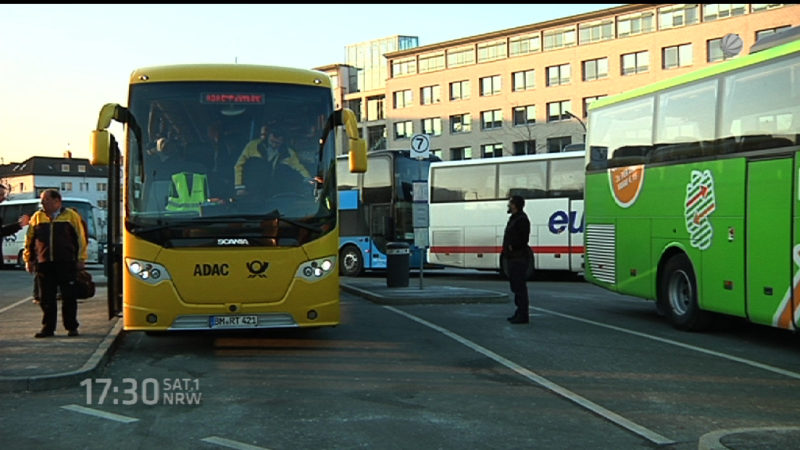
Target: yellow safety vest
181 199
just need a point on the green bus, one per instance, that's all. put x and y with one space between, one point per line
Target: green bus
693 189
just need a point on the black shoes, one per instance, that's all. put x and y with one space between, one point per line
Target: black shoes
519 318
44 334
72 332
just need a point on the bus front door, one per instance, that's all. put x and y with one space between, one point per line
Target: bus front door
768 246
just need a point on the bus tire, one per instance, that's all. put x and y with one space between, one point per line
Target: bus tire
677 293
351 263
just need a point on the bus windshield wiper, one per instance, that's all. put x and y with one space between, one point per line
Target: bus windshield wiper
277 215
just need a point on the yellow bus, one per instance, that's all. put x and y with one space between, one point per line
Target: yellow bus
206 230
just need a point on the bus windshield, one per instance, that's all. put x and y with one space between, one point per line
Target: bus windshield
230 160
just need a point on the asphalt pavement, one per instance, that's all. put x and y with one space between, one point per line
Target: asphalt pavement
31 364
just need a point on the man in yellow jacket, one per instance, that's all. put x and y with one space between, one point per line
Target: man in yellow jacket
275 160
55 245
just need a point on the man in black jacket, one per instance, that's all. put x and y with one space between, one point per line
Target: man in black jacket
6 230
517 254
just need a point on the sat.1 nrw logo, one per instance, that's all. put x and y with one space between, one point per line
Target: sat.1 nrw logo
700 203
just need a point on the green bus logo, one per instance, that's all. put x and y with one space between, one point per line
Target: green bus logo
700 203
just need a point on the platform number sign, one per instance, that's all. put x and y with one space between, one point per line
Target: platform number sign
420 146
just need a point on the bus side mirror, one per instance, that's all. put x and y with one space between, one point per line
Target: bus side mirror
358 156
101 144
358 147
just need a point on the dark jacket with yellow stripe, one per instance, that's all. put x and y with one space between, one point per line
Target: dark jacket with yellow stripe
59 240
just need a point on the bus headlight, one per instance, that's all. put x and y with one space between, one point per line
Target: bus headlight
316 269
147 271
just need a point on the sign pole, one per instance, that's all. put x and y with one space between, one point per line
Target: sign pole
420 150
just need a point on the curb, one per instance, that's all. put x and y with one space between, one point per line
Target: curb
66 379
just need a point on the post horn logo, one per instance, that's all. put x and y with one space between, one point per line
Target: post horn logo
257 268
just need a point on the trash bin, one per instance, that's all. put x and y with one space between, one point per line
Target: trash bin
397 256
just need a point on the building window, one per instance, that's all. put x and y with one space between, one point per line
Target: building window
636 23
66 185
490 85
83 186
525 147
491 120
376 137
588 101
758 7
490 51
525 115
558 110
600 30
430 63
522 45
562 37
375 109
459 90
595 69
101 187
430 95
678 16
677 56
635 62
524 80
405 66
460 123
714 11
492 150
65 167
102 204
714 50
460 56
459 153
402 99
81 168
557 75
432 126
556 144
764 33
437 152
404 129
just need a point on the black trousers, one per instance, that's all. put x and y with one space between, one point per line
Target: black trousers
517 271
51 276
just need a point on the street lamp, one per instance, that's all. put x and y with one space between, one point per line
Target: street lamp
576 118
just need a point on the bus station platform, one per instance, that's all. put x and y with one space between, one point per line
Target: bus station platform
30 364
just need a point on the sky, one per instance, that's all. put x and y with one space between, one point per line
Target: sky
59 64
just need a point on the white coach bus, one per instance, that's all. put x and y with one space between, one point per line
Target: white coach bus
14 245
468 209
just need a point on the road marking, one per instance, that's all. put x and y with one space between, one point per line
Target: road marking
648 434
15 304
101 414
755 364
231 444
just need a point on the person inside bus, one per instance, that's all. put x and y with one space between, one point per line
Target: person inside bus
517 255
173 177
7 230
220 160
268 164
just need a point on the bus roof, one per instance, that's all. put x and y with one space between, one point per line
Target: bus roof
727 66
517 158
229 72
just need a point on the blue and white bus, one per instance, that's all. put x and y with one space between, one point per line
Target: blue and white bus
375 208
468 209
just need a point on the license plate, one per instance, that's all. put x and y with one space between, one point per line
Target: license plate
233 321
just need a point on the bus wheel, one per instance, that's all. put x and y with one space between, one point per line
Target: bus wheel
351 263
678 295
20 261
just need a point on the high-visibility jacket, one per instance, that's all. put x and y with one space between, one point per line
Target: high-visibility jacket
185 196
